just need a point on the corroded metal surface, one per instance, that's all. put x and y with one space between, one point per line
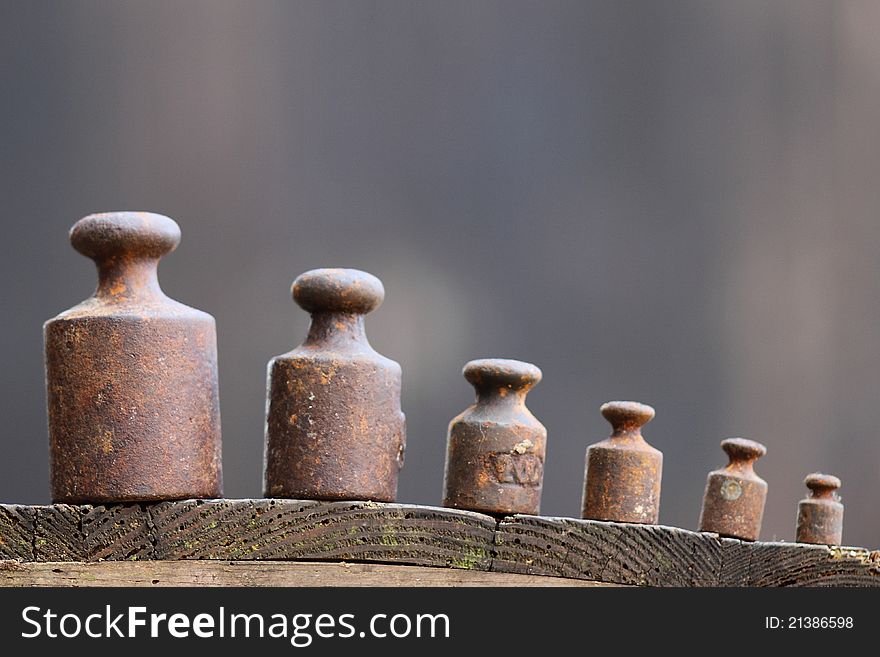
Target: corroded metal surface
495 448
820 515
334 428
623 472
733 504
131 376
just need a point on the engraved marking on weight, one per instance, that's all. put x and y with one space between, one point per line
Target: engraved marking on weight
521 469
731 490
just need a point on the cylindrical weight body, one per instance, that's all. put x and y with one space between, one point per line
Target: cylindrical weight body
622 484
733 506
820 522
335 430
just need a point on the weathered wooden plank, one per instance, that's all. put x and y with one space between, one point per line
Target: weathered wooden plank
17 532
650 555
296 530
291 530
258 573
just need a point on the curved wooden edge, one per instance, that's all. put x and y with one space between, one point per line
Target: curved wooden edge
368 532
260 573
654 555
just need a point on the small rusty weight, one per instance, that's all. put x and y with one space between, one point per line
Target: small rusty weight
623 472
733 504
334 428
131 376
495 448
820 515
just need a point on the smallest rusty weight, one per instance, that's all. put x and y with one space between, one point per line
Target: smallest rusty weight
733 504
820 515
623 472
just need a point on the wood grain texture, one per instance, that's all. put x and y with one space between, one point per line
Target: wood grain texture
787 564
653 555
116 532
258 573
291 530
58 533
297 530
64 532
643 555
17 532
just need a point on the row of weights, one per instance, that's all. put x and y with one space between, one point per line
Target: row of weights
134 413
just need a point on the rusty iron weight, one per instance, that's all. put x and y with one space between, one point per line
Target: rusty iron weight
733 504
623 472
131 376
334 428
820 515
495 448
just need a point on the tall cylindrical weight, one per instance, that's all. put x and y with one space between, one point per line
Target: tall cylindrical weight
131 376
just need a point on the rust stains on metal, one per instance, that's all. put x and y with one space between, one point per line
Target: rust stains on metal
131 376
623 472
820 515
733 504
334 428
495 448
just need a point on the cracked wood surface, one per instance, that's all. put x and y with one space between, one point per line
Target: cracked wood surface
271 530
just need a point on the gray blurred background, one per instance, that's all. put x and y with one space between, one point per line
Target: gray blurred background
673 202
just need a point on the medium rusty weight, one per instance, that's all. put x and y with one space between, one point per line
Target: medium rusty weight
334 429
820 515
733 504
131 376
623 472
495 448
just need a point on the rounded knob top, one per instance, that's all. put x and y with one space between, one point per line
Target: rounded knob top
626 415
743 449
134 234
338 290
821 485
501 372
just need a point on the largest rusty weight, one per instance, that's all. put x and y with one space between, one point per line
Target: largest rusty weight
334 429
623 472
131 376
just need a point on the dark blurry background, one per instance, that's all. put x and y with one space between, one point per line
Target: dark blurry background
673 202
